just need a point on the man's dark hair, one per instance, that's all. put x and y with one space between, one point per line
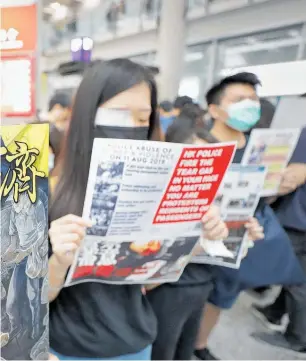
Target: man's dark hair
214 95
180 102
166 106
60 98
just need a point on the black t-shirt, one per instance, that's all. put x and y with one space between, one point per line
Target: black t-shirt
94 320
200 274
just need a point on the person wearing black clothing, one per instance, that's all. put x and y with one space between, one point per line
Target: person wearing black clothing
291 210
93 320
178 306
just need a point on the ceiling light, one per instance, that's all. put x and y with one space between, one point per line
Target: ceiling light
76 44
87 44
55 6
59 12
90 4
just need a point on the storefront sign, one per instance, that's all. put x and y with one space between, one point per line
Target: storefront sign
18 86
18 29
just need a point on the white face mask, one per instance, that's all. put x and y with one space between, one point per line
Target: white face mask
51 161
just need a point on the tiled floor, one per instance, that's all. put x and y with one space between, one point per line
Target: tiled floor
232 341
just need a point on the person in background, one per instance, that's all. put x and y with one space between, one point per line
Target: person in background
267 114
290 208
193 111
59 110
185 129
180 102
112 17
166 115
56 139
266 117
234 106
178 306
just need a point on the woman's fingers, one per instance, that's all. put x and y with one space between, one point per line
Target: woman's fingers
66 235
213 226
212 213
220 231
68 229
255 230
71 218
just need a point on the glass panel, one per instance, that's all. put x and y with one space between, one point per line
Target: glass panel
144 59
108 19
304 41
194 80
197 8
150 14
217 6
262 48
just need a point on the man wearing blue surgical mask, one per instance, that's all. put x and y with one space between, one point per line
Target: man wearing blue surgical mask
234 107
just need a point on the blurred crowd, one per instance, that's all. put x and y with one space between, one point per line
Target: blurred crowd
171 321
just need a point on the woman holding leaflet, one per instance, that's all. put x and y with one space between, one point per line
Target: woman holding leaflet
116 99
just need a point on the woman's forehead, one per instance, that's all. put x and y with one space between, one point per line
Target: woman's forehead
139 96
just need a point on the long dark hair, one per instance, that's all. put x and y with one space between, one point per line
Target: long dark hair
101 82
186 127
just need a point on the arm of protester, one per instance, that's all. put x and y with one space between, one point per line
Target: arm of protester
150 287
295 174
214 228
66 235
293 177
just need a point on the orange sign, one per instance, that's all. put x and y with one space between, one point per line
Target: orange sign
18 29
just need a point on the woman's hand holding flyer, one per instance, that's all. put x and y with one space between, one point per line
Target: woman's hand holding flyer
255 230
214 228
66 235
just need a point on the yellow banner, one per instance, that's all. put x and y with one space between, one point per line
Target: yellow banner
24 158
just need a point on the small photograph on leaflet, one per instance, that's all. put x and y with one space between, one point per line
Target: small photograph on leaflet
237 198
146 201
133 262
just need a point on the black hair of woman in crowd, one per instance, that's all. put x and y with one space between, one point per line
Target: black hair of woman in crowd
187 127
102 82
